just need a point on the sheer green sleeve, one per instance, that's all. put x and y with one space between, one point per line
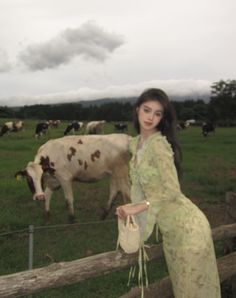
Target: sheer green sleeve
159 177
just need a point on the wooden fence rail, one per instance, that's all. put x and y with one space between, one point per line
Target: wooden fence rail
163 288
66 273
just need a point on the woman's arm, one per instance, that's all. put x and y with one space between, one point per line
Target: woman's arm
131 209
160 181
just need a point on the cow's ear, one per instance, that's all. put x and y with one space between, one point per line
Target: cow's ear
20 174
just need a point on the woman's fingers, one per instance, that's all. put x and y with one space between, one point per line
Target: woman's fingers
121 212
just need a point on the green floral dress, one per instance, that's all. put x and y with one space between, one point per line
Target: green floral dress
186 234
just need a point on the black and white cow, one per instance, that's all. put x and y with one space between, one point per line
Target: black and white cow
120 126
207 127
86 158
41 129
73 127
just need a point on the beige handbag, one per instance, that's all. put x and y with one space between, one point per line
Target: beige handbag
129 234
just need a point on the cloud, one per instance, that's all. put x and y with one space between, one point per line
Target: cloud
5 65
183 89
87 41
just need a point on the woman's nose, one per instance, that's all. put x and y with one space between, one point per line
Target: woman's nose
151 116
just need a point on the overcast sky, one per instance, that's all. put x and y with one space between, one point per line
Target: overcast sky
67 50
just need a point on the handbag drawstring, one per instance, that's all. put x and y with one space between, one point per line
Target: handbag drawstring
142 273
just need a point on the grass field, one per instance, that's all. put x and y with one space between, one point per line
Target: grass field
209 167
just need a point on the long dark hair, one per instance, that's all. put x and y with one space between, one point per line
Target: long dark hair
168 123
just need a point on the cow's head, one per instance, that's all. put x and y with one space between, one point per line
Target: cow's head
34 176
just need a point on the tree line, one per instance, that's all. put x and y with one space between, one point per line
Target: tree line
221 109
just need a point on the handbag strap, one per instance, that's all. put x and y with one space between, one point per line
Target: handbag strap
131 220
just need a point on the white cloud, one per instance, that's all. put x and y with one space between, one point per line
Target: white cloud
181 88
88 41
189 42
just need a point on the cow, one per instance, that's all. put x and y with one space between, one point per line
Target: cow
189 122
181 125
11 126
41 129
185 124
74 126
54 123
120 126
86 158
207 127
95 127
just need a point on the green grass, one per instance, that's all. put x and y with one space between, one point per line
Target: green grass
209 163
209 171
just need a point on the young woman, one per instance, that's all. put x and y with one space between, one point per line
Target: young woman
154 171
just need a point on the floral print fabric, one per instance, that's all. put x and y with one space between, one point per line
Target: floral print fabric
186 234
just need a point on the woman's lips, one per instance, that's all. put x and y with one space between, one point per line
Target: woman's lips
148 123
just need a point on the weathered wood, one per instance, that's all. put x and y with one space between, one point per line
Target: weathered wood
224 232
163 288
65 273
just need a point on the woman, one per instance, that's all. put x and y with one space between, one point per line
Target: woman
154 171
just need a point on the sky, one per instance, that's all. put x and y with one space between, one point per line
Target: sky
55 51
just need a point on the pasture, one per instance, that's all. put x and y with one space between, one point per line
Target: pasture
209 167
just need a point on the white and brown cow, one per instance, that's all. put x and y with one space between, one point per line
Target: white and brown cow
95 127
11 127
85 158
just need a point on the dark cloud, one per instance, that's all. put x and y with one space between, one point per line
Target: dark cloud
88 41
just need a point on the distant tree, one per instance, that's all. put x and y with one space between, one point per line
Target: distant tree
6 112
200 110
224 89
222 105
186 113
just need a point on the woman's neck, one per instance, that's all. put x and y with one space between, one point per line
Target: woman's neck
144 135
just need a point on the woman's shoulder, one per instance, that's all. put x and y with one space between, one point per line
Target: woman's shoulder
161 143
133 144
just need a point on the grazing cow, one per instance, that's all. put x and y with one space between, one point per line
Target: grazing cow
185 124
54 123
181 125
95 127
41 129
120 126
207 127
85 158
189 122
74 126
11 127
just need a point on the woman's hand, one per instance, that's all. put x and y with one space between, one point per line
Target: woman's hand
130 209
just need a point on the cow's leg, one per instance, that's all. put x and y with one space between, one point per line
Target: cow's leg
48 194
68 193
112 196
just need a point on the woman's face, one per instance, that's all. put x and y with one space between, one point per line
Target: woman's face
150 114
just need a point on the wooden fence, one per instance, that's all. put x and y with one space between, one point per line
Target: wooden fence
66 273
